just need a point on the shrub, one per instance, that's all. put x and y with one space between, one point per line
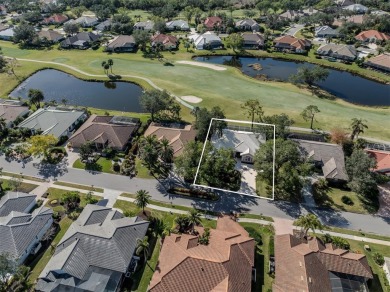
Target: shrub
74 215
271 247
128 213
39 203
346 200
53 202
378 258
340 242
116 167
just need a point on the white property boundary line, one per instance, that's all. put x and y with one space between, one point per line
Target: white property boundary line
273 158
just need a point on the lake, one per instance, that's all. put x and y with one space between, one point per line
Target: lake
347 86
57 85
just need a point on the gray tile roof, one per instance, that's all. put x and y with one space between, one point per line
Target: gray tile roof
10 112
144 25
330 155
52 121
99 238
338 51
15 201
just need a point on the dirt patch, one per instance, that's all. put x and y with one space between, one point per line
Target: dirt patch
191 99
210 66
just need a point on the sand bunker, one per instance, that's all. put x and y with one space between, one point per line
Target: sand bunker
191 99
210 66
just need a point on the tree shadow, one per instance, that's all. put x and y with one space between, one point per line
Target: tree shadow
47 170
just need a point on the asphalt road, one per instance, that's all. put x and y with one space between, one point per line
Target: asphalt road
229 201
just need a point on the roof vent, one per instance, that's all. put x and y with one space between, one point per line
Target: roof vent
300 263
309 279
202 269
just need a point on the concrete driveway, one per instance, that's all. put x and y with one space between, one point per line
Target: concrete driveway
248 178
294 29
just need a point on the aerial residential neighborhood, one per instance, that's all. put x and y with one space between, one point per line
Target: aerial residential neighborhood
201 145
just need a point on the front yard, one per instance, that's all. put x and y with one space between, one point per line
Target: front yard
103 165
23 187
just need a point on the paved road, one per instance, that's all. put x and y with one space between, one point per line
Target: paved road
294 29
229 202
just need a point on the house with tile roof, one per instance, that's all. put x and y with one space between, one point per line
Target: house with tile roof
85 21
382 159
144 25
96 253
22 231
341 52
244 144
54 121
311 266
326 31
11 112
121 44
206 41
247 24
358 19
381 62
105 131
225 264
372 36
326 156
213 23
356 8
55 19
291 44
7 34
253 41
50 35
343 3
167 42
178 135
177 24
83 40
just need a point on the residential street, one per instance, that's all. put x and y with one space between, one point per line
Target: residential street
228 202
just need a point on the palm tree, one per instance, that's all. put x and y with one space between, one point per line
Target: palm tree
307 222
36 97
19 281
110 63
143 247
105 67
194 218
64 101
357 126
166 151
142 199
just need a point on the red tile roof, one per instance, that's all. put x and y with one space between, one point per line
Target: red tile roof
305 266
382 160
293 41
164 39
212 21
55 18
370 34
225 264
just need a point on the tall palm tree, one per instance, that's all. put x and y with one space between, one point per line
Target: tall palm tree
166 151
194 218
143 247
142 199
307 222
358 126
105 67
36 97
110 63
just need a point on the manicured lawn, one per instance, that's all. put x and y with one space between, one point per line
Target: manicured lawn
357 233
77 186
333 200
227 89
37 267
56 194
142 171
33 178
24 187
103 164
262 188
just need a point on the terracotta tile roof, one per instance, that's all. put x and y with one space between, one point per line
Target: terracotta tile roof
55 18
178 137
305 266
164 39
358 19
382 160
381 61
212 20
372 34
225 264
293 41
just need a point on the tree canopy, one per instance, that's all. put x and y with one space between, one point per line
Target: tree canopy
40 144
310 75
160 105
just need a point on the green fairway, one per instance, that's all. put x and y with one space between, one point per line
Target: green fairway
227 89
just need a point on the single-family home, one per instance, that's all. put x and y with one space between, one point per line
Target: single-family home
358 19
144 25
177 24
55 19
11 111
53 121
105 131
327 157
3 10
81 41
311 266
96 253
290 15
292 44
178 135
7 34
224 264
252 41
213 23
342 52
206 41
243 143
248 24
344 3
381 62
22 231
372 36
386 268
309 11
326 32
356 8
103 26
50 35
85 21
382 159
167 42
122 43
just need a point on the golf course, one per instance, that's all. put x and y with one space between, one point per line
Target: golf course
225 88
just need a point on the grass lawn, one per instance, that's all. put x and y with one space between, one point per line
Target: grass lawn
333 200
33 178
356 233
38 266
56 194
142 170
81 187
103 164
262 188
227 88
24 187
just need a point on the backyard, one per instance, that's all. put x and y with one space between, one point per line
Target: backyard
23 187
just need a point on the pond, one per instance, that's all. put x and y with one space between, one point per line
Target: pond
347 86
57 85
